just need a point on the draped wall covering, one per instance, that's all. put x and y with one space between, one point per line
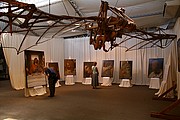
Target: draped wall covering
79 49
58 49
177 32
54 52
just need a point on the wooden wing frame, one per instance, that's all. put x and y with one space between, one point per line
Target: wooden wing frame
18 17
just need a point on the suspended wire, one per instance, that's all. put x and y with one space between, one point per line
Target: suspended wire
65 7
66 10
136 78
115 6
116 3
49 6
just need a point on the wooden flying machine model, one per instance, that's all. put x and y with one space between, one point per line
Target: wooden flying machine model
26 19
18 17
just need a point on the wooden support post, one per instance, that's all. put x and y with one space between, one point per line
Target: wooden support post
163 114
170 107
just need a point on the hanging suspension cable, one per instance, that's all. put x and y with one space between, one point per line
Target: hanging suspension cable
65 8
49 6
116 3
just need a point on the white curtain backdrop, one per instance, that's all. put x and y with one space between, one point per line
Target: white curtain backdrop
53 50
79 49
16 63
57 50
177 32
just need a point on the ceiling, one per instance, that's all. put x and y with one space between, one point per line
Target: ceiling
145 13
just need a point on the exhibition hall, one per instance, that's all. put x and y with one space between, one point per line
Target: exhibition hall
89 59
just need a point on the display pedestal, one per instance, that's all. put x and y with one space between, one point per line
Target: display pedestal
154 83
69 80
58 84
107 81
39 90
125 83
87 81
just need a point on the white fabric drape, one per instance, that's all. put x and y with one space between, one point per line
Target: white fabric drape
15 62
57 50
79 49
53 50
177 32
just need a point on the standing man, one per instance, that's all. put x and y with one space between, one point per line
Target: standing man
95 74
52 79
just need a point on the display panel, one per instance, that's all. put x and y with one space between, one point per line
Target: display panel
155 68
55 67
87 69
107 68
34 65
69 67
125 70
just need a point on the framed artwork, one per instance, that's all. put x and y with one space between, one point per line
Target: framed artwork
178 52
107 68
87 69
155 69
34 65
69 67
55 67
125 70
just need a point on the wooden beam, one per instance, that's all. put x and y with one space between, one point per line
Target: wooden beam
171 107
163 114
164 98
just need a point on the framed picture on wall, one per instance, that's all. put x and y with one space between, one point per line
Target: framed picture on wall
34 66
125 70
69 67
155 69
87 69
107 68
54 66
178 52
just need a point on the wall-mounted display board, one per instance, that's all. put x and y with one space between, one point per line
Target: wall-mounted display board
87 69
107 68
34 65
69 67
155 69
55 67
125 70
